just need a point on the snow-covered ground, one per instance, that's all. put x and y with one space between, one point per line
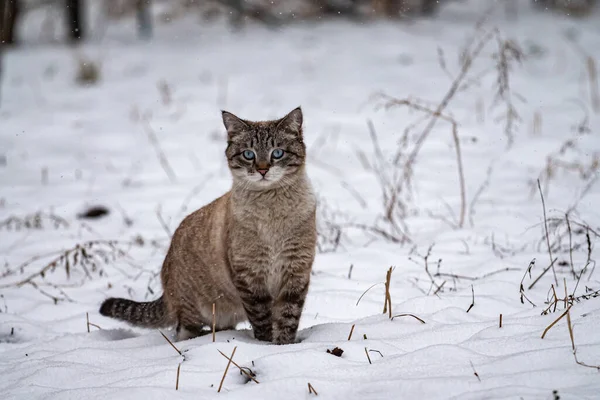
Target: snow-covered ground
64 146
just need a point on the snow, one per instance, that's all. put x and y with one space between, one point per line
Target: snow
92 143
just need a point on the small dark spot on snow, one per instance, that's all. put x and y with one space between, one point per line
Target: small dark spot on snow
336 352
94 212
26 355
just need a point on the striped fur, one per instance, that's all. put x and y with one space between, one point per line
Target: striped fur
151 314
249 252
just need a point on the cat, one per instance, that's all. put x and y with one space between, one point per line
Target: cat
249 252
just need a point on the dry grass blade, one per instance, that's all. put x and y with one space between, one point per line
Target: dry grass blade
570 246
597 367
87 320
387 305
171 343
474 371
226 369
162 221
472 299
365 292
593 80
500 322
368 356
546 232
162 158
408 315
177 378
311 389
521 287
242 370
351 332
542 274
555 322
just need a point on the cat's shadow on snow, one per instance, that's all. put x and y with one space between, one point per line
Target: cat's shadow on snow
110 335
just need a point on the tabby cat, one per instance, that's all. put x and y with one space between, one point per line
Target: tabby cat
249 252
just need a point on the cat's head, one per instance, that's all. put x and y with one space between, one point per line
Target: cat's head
264 154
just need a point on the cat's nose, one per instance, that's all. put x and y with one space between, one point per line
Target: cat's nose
263 172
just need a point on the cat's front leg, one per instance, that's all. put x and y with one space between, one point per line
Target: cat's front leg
257 301
287 308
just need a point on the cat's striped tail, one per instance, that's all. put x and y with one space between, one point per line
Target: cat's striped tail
152 314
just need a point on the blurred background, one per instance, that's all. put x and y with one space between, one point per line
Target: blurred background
70 20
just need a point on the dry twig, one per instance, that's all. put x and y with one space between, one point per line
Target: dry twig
171 343
351 331
408 315
242 370
546 230
226 369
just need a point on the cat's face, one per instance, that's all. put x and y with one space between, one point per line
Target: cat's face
262 155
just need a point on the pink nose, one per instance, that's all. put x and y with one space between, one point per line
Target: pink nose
263 172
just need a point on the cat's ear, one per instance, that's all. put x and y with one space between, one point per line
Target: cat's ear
233 124
292 122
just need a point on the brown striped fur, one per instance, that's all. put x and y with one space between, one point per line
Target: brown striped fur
250 251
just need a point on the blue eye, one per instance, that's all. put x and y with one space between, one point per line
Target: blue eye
277 153
248 154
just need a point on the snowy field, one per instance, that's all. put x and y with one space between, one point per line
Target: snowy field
147 142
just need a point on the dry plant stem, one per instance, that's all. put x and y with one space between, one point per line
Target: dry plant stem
546 231
566 293
162 158
162 221
177 378
596 367
474 278
594 90
470 56
242 370
214 322
555 322
403 238
171 343
408 315
461 177
387 305
435 114
472 299
312 390
570 247
351 332
500 322
365 292
368 357
542 274
475 372
478 193
226 369
87 319
521 287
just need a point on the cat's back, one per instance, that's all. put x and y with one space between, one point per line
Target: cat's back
203 233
